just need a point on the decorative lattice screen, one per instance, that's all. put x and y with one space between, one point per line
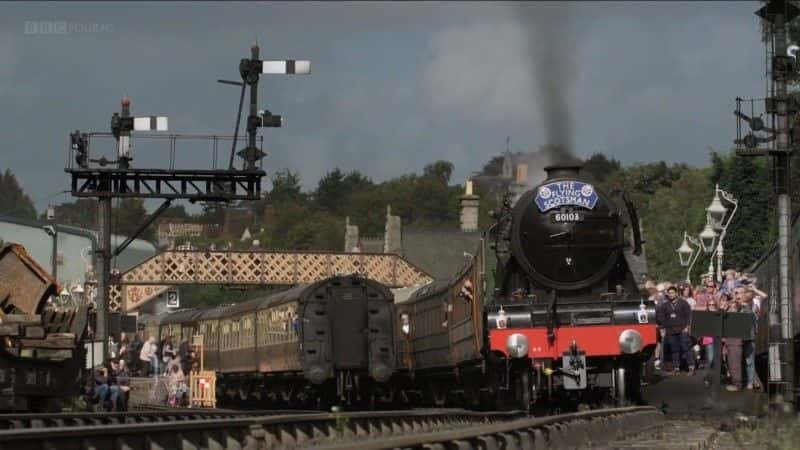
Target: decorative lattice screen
155 275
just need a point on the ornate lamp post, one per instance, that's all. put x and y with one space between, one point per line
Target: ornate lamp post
708 237
685 253
717 219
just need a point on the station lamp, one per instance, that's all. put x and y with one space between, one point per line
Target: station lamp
685 252
708 237
716 211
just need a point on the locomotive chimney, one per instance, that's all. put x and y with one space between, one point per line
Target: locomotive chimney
562 171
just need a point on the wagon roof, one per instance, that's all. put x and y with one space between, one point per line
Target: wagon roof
184 315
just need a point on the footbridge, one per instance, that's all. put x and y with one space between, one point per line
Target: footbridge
137 286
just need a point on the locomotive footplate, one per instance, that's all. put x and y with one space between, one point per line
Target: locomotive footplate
573 368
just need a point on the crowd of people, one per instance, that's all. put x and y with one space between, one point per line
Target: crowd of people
678 351
109 385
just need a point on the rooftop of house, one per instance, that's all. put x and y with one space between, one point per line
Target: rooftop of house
441 253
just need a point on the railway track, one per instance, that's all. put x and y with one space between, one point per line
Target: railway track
55 420
430 429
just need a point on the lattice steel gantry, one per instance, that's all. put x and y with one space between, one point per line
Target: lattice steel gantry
104 178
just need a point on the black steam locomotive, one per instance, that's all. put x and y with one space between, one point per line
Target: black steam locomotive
560 316
567 315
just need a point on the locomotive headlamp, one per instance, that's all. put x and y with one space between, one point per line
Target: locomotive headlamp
517 345
707 238
630 341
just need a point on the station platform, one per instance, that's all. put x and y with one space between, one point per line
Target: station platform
687 395
148 391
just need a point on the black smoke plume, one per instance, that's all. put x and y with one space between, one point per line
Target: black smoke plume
550 41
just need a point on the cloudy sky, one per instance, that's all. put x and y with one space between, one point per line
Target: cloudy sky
394 85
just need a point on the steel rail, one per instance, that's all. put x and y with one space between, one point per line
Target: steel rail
259 431
51 420
203 433
560 431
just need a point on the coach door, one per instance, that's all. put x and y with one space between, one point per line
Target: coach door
348 315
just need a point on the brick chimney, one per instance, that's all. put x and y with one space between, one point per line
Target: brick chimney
269 217
393 233
522 173
469 209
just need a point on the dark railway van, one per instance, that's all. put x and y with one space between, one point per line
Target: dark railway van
326 342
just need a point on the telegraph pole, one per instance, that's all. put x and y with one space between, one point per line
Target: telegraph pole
782 68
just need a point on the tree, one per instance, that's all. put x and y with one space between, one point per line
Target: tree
494 167
286 188
599 168
671 211
175 212
439 170
13 200
80 213
335 188
129 214
753 229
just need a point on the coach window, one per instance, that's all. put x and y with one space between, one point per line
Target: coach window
225 336
248 331
214 337
260 327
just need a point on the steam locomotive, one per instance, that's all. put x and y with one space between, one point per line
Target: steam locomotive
561 317
567 313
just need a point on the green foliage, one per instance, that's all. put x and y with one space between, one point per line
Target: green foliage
286 188
752 229
439 171
673 198
13 201
204 296
599 168
128 215
175 212
666 214
80 213
335 187
494 167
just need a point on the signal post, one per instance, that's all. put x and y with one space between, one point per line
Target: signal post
106 179
777 137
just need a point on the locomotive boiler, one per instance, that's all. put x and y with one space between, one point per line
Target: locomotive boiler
565 317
